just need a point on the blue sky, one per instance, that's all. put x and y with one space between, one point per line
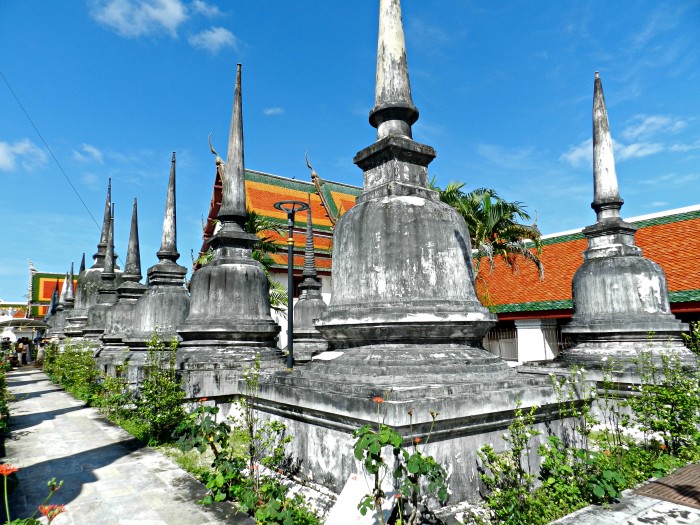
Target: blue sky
504 90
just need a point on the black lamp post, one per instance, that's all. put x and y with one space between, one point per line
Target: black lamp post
290 208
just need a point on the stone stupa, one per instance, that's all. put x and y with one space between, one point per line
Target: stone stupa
404 322
229 321
307 340
621 305
164 306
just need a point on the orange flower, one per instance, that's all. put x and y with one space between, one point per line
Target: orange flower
202 399
662 447
51 511
6 469
606 452
416 440
378 399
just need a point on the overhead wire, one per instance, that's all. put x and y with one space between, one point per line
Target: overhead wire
48 148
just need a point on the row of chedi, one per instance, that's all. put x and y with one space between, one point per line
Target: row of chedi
403 317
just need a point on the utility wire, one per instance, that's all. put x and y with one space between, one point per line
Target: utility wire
49 150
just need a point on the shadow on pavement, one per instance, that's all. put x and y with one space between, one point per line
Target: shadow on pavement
22 421
75 470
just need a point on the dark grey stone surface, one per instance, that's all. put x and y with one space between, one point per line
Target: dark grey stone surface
166 303
307 340
229 321
621 305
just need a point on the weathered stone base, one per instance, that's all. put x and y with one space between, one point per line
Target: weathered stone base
307 346
322 415
213 370
593 354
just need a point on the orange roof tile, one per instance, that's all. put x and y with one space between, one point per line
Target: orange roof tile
671 240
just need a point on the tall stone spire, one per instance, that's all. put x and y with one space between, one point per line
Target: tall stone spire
90 280
307 340
62 295
82 264
233 191
166 303
99 257
70 294
393 112
403 315
107 291
606 195
309 258
621 305
229 314
120 317
168 243
65 303
132 271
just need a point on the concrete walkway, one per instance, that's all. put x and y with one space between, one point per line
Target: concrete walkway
109 477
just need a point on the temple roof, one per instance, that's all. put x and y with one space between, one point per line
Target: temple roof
329 200
671 239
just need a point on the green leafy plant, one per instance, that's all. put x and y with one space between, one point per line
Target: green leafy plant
667 406
412 471
248 458
160 398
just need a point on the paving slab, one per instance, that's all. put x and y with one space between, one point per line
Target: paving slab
109 477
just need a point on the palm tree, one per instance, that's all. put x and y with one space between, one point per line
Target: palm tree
494 226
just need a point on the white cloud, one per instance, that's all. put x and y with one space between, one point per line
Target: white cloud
580 155
636 150
273 111
683 148
205 9
134 18
89 153
645 126
214 39
24 151
672 179
658 204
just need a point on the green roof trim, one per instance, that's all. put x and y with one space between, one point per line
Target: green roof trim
283 182
534 306
668 219
655 221
684 296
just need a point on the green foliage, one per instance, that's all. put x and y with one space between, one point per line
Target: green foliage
412 471
246 451
692 339
151 415
494 225
582 466
667 406
4 407
160 399
74 369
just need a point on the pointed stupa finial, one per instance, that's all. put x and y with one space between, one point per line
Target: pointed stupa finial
606 194
168 243
132 271
82 264
102 245
64 291
233 175
70 294
309 259
108 272
393 112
